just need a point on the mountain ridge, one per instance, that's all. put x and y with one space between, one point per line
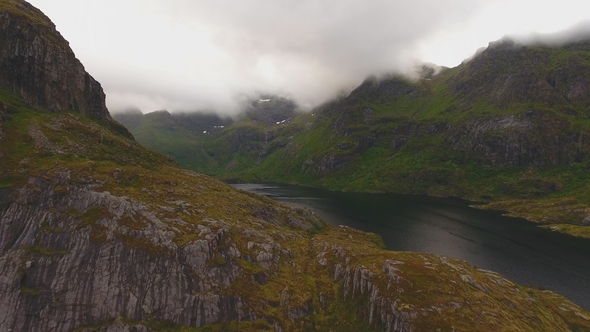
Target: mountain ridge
508 127
50 88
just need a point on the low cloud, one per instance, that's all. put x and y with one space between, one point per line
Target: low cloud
185 55
576 33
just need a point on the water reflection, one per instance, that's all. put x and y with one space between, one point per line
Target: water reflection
514 247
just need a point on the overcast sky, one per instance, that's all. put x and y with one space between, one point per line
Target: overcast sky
196 54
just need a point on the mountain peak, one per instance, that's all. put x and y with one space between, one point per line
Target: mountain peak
41 69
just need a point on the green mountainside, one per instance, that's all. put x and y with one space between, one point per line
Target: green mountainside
509 127
100 234
190 138
175 135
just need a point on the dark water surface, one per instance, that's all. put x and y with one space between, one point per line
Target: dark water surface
516 248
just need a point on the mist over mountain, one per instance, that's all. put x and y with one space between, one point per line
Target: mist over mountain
576 33
508 126
414 71
184 55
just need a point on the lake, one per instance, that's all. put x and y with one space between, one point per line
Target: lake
514 247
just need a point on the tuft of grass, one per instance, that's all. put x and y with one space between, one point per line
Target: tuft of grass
39 250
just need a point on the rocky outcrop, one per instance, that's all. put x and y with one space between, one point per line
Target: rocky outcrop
37 64
508 72
535 138
5 112
75 256
326 164
92 242
387 89
116 259
386 289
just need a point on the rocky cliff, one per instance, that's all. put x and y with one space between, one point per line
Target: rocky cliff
100 234
37 64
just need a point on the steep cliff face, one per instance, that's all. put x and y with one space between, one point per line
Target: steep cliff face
535 138
538 137
74 256
508 72
37 64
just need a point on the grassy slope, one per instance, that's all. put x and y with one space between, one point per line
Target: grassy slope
41 144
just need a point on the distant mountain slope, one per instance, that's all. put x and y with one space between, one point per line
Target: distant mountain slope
178 135
270 109
190 138
510 126
100 234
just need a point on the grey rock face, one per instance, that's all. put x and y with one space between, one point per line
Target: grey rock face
326 164
535 138
381 305
385 89
61 271
42 69
74 256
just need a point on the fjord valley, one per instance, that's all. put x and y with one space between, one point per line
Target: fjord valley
98 233
514 247
508 128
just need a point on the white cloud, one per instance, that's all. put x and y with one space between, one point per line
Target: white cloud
497 19
192 54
